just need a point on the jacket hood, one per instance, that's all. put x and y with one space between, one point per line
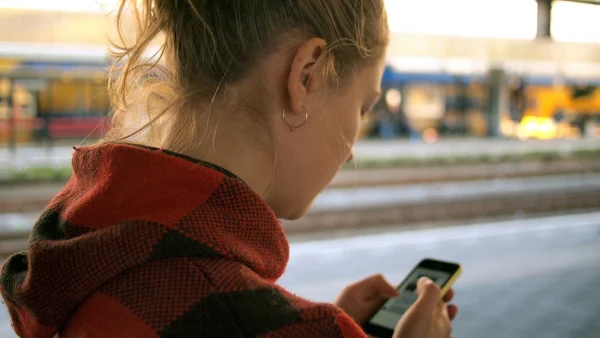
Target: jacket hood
126 206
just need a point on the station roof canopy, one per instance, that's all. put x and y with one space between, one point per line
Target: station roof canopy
593 2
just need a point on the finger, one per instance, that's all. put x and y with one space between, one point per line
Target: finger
443 311
373 288
429 294
383 287
449 295
452 311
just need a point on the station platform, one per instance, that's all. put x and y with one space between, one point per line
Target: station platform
465 147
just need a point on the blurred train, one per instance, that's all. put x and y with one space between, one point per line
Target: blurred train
49 94
429 104
62 94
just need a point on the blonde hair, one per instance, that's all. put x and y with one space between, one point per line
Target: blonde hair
209 45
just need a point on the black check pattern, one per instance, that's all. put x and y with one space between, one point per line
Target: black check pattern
179 249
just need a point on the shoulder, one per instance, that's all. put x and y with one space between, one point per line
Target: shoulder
166 298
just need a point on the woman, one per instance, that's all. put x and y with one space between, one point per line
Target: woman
147 240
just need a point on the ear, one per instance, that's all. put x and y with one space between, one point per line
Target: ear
302 79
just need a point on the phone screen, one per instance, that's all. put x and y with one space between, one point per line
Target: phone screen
390 313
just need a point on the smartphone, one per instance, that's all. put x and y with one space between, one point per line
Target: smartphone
444 274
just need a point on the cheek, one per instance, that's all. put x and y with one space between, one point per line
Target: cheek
342 137
356 124
349 121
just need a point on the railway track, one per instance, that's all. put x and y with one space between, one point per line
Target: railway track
440 210
448 210
35 197
459 173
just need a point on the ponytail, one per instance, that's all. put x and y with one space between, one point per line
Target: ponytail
207 45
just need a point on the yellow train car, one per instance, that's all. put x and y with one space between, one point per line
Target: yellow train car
558 111
547 101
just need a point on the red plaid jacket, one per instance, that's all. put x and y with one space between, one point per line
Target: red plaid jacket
142 243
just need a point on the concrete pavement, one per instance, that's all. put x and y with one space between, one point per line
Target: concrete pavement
522 278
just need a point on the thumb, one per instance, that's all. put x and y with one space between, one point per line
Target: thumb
429 295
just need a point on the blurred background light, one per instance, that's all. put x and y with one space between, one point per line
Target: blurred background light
473 18
93 6
575 22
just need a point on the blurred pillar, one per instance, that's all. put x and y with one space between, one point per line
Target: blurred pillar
47 116
544 19
496 80
12 120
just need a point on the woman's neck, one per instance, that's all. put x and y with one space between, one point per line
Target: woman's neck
236 147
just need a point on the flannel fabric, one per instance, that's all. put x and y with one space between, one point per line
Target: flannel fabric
145 243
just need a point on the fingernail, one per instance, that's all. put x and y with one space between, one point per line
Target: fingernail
425 281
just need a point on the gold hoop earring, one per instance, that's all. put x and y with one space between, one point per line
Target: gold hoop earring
292 127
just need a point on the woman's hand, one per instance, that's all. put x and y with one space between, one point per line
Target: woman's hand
429 316
362 299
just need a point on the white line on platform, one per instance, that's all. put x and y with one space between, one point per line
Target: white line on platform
336 247
6 330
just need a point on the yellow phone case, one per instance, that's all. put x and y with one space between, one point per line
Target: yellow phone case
451 281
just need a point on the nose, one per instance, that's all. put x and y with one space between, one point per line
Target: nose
351 157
